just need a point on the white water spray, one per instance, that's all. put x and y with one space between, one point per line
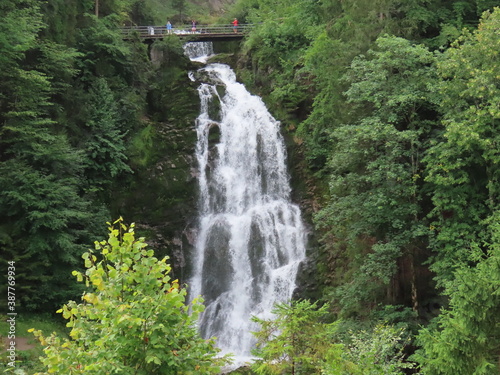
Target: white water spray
199 51
250 237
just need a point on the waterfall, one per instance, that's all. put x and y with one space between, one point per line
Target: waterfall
199 51
250 236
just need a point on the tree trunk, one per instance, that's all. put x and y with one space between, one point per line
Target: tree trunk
414 296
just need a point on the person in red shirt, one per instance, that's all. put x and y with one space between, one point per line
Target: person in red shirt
235 25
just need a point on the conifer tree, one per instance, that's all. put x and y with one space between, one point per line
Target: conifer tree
41 210
104 145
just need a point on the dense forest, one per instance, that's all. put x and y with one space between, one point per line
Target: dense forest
395 106
391 109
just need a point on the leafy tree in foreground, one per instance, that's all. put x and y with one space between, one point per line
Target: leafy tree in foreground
133 320
299 341
295 342
465 338
463 165
379 351
375 209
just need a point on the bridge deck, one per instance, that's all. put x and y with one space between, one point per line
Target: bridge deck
203 32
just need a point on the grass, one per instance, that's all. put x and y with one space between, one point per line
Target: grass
27 362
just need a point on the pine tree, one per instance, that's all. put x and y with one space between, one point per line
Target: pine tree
104 145
41 210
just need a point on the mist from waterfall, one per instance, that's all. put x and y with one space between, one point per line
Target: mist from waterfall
250 238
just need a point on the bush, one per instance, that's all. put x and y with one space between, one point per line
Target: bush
133 320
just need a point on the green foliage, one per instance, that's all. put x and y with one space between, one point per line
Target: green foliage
14 44
463 168
463 163
21 22
110 92
180 7
104 52
242 9
350 29
170 98
376 352
376 165
104 146
133 320
64 18
276 46
299 341
464 338
41 219
295 342
326 61
142 147
40 207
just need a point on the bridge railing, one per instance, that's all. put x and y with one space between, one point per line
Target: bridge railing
183 30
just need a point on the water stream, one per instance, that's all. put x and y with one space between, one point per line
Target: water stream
250 235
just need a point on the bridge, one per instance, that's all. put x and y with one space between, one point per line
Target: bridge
202 33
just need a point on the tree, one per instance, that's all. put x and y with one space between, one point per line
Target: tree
180 6
378 351
295 341
104 146
132 320
463 163
464 338
463 168
298 340
375 209
276 46
43 219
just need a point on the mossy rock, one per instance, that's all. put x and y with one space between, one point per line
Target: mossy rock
160 196
245 370
224 58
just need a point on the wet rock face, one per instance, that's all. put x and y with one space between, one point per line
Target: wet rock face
160 196
208 77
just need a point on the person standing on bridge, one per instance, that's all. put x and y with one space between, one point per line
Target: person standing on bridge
193 26
235 25
169 27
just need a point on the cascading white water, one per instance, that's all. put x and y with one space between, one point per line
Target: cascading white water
199 51
250 237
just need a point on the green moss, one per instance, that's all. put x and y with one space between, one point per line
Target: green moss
141 147
162 184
